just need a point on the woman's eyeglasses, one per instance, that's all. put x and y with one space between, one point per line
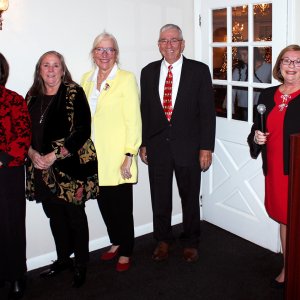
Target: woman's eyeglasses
287 62
108 50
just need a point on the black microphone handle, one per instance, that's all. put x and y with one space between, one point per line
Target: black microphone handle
262 123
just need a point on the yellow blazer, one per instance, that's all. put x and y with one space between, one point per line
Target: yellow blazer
117 125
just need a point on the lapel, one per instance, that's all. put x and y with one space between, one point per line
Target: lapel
107 89
156 83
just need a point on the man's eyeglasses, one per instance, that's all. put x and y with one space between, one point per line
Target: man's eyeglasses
287 62
108 50
173 42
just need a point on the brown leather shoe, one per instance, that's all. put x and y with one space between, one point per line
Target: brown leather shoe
190 254
161 251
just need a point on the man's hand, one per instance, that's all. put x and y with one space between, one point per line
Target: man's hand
143 155
205 159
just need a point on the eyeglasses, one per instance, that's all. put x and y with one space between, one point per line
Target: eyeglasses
287 62
173 42
101 50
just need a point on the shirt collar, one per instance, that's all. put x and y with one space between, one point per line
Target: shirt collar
175 64
110 76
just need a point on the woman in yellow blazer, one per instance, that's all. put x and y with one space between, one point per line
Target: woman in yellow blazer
116 131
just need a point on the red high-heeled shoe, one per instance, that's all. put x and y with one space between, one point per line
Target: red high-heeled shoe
109 255
123 267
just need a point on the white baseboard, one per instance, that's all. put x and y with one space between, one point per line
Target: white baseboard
45 259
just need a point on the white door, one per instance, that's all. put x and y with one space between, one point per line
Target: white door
240 41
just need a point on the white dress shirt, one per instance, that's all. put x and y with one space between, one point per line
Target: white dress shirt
93 101
176 70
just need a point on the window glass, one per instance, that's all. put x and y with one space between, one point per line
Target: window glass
240 23
220 92
262 22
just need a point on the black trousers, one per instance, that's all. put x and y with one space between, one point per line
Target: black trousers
70 231
188 181
116 205
12 223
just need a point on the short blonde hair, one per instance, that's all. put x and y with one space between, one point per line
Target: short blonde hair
104 36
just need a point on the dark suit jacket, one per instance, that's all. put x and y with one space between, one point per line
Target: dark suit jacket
192 126
291 125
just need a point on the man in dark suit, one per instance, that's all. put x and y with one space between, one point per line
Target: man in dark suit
178 137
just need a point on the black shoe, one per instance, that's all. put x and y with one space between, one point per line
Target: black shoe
277 285
17 289
56 268
79 276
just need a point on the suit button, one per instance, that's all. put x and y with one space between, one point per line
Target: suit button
167 139
170 125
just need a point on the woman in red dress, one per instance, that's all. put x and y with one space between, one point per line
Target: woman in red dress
282 119
15 135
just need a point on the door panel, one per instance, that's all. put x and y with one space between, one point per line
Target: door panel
233 188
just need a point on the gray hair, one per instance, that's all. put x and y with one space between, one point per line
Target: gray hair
171 26
104 36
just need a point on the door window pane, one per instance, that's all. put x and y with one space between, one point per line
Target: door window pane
240 23
219 63
240 63
262 64
219 25
240 103
262 22
220 92
219 36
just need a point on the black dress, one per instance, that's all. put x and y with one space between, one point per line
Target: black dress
12 229
68 222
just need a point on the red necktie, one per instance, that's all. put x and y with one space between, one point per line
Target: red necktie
167 100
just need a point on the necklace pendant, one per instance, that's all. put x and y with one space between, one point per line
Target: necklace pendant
282 106
43 113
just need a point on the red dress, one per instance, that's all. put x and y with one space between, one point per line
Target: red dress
276 182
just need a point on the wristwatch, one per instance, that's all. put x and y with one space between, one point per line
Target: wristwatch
129 154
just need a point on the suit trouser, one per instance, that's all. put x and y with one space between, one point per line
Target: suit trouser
12 223
70 231
116 205
188 182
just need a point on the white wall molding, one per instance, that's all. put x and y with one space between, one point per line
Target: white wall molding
45 259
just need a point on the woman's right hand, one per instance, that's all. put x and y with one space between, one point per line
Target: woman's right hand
36 158
33 155
260 138
125 168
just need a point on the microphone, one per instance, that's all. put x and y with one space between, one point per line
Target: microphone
261 108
